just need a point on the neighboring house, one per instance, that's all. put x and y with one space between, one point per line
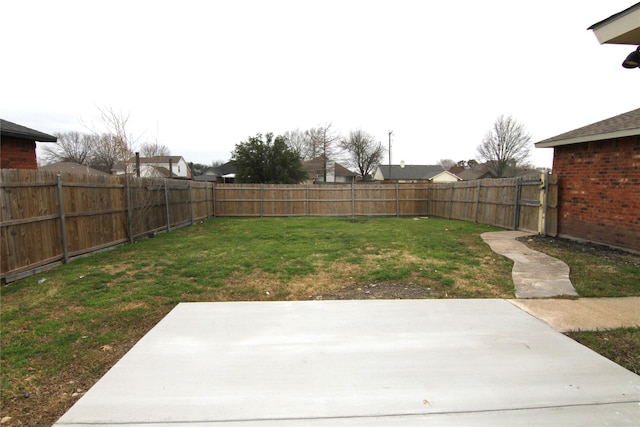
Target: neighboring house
598 169
334 171
156 167
456 169
414 173
225 173
479 171
72 168
18 145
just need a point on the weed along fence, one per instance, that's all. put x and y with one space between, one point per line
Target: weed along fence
47 219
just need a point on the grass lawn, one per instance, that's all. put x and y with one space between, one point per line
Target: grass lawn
596 271
63 329
621 345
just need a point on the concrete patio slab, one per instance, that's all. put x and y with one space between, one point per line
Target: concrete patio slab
372 362
535 275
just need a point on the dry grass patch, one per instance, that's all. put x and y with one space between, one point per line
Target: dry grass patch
59 336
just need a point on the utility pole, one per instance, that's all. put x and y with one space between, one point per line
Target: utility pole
390 133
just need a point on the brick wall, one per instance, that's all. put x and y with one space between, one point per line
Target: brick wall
599 191
16 153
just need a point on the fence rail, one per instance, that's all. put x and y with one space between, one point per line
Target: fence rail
48 219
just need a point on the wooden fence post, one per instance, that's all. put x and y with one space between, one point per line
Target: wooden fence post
450 201
306 196
213 198
191 201
397 200
206 198
516 208
353 200
478 200
128 202
65 250
261 200
166 204
542 223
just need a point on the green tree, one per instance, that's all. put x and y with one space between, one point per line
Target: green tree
267 160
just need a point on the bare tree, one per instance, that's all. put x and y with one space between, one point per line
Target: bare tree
71 147
116 144
506 146
322 142
154 149
363 152
298 142
446 164
108 151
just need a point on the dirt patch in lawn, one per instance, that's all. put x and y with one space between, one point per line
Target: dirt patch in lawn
378 291
547 244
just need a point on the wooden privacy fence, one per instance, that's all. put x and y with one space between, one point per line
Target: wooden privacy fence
47 219
524 203
263 200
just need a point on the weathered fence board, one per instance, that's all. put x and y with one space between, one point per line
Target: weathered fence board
31 212
48 218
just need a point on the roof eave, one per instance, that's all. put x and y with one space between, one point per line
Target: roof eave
621 28
37 137
588 138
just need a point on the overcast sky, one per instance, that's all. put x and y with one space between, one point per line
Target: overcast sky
202 76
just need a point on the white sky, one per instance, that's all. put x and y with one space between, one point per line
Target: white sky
202 76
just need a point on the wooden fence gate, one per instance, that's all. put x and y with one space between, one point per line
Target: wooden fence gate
525 203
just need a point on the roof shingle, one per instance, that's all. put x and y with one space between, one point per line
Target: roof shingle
15 130
411 172
626 124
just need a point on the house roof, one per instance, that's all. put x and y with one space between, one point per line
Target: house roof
316 167
411 172
621 28
72 168
226 168
14 130
223 169
477 172
163 171
155 160
159 159
626 124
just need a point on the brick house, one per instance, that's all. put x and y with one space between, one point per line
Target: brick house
18 145
598 169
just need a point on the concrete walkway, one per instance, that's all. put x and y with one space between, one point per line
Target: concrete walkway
535 275
586 314
480 362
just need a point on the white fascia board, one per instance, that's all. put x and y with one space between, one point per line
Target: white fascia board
589 138
624 29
